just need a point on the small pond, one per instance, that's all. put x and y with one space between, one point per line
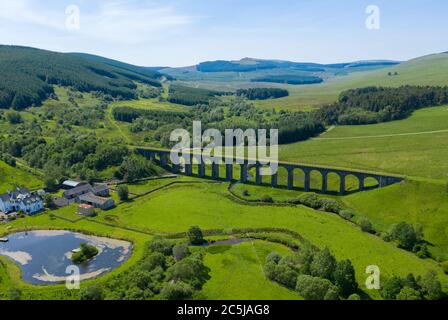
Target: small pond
43 256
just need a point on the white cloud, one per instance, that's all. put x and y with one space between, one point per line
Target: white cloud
125 22
121 22
24 12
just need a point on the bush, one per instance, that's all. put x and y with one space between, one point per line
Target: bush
195 236
366 225
93 292
310 200
180 251
405 235
86 253
391 288
323 265
14 117
160 245
386 236
347 214
409 294
344 278
273 257
177 291
422 251
313 288
123 192
153 261
431 286
330 205
267 199
354 297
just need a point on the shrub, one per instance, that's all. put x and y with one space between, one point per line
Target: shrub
344 278
123 192
391 288
195 236
431 286
408 294
354 297
332 294
366 225
310 200
347 214
93 292
160 245
87 252
323 265
14 117
267 199
273 257
386 236
422 251
180 251
153 261
177 291
404 234
285 276
313 288
330 205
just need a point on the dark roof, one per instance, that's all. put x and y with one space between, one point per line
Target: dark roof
61 202
4 197
11 195
91 198
78 190
100 188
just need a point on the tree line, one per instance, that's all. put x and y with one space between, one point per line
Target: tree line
262 93
377 104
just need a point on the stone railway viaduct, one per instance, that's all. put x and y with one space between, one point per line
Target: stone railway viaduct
162 157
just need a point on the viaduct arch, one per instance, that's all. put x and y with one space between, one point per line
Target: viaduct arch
162 157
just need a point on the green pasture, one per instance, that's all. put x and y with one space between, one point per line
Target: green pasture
237 273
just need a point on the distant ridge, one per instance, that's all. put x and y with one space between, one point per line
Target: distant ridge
252 64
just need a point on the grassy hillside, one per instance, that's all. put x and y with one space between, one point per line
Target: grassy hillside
417 146
11 177
428 70
416 202
27 76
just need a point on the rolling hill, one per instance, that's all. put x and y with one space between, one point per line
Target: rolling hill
150 72
28 74
273 71
429 70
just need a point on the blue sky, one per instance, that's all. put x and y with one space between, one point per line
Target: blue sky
185 32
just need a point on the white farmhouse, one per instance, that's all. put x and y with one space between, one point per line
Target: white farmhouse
21 200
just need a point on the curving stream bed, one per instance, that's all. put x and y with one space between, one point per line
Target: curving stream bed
43 256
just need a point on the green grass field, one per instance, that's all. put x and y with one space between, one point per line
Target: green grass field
12 177
207 205
417 146
237 273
